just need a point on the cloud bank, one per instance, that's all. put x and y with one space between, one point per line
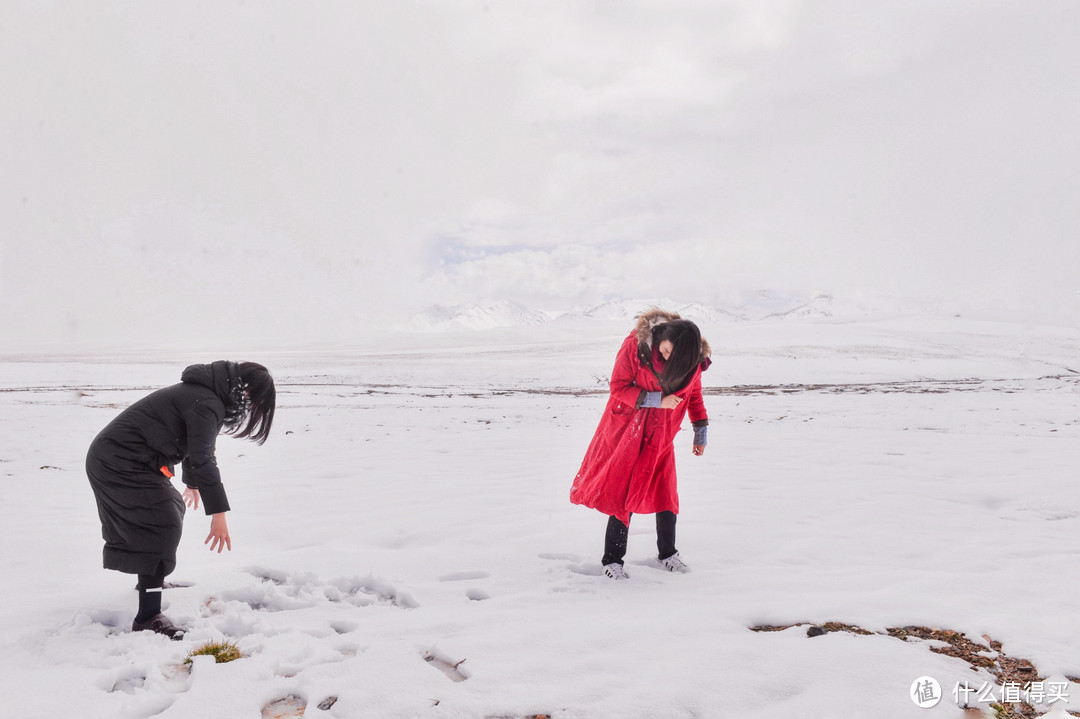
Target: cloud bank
279 171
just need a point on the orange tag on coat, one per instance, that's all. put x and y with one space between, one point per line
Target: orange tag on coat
165 471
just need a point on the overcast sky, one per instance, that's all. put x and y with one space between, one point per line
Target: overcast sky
308 170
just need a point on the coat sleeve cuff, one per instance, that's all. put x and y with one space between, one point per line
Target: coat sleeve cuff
700 423
650 400
214 499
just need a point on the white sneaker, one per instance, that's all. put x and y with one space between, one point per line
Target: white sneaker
675 564
615 571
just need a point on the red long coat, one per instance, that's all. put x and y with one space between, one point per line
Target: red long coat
630 464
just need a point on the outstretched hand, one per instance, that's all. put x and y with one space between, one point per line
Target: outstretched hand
219 533
191 497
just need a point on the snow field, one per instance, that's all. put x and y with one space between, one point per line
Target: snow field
390 530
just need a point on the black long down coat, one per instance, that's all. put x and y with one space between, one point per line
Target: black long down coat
131 461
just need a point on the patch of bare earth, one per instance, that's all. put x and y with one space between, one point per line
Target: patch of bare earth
990 656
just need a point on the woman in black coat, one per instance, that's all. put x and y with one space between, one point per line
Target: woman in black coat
131 462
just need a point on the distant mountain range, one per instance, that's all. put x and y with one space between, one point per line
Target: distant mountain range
489 315
754 307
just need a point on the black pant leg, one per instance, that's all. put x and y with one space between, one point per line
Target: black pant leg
665 534
615 542
150 594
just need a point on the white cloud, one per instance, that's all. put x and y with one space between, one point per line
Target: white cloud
575 147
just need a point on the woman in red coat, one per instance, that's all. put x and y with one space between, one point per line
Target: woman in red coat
630 464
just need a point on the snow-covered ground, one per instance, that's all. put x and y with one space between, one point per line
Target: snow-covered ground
409 514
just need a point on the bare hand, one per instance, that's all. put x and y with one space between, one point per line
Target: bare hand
219 532
191 497
699 449
670 401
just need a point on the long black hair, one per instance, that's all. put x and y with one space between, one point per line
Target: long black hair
253 414
685 338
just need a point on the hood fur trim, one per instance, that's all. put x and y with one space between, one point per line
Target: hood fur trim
655 316
647 320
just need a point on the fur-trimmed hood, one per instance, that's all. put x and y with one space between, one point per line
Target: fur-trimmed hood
654 316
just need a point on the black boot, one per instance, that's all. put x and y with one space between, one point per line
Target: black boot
160 624
150 617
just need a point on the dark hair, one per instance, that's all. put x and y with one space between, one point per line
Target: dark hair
685 338
260 399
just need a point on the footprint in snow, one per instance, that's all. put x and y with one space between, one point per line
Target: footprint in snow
364 591
447 666
109 620
588 569
575 563
176 678
288 707
561 556
269 575
280 592
474 594
126 680
344 627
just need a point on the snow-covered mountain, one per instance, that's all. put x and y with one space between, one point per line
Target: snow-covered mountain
818 306
758 306
485 316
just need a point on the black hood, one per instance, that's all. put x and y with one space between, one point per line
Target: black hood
223 377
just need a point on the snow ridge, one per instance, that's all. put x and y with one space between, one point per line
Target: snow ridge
758 306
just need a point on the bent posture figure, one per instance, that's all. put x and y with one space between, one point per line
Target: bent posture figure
629 467
130 465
